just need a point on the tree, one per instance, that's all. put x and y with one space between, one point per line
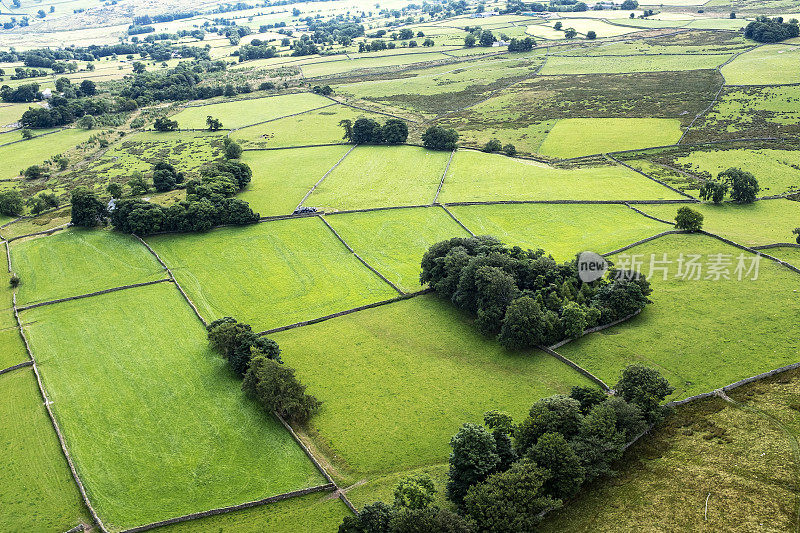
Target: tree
553 453
374 518
214 124
87 210
138 67
644 387
366 131
523 325
555 414
688 219
713 190
10 203
165 124
628 5
510 501
236 342
588 397
35 172
487 38
744 186
429 520
473 459
558 25
278 390
492 146
510 150
27 134
395 131
416 491
570 33
138 184
591 35
42 202
796 231
88 88
574 319
469 40
114 189
439 138
347 125
232 149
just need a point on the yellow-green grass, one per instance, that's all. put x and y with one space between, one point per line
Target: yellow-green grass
601 28
12 351
79 261
560 230
700 334
282 177
573 137
238 113
608 65
348 65
381 176
273 274
381 488
740 460
19 156
314 513
777 171
789 254
476 176
760 110
42 222
526 139
763 222
156 422
315 127
398 381
10 114
769 64
394 241
37 492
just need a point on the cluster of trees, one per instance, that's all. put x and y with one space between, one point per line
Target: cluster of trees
504 476
252 51
62 110
521 45
688 219
517 6
369 131
440 138
496 146
480 37
524 297
771 30
11 203
796 231
179 83
743 187
258 360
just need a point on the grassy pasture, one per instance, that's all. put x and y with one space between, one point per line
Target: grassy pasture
238 113
380 176
573 137
381 488
601 28
790 255
277 273
10 114
41 222
314 127
314 513
742 456
343 66
561 230
282 177
697 343
419 357
769 64
763 222
76 261
607 64
19 156
155 421
516 179
777 171
394 241
37 492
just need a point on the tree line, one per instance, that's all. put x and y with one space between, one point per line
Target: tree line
523 297
369 131
771 30
504 476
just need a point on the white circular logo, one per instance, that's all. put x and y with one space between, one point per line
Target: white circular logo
591 266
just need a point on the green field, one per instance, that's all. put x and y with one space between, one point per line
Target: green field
76 261
749 112
238 113
314 127
763 222
329 68
42 222
281 178
10 114
606 64
381 176
420 371
37 492
790 255
276 273
19 156
573 137
156 422
770 64
468 179
777 171
560 230
700 334
740 459
314 513
394 241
